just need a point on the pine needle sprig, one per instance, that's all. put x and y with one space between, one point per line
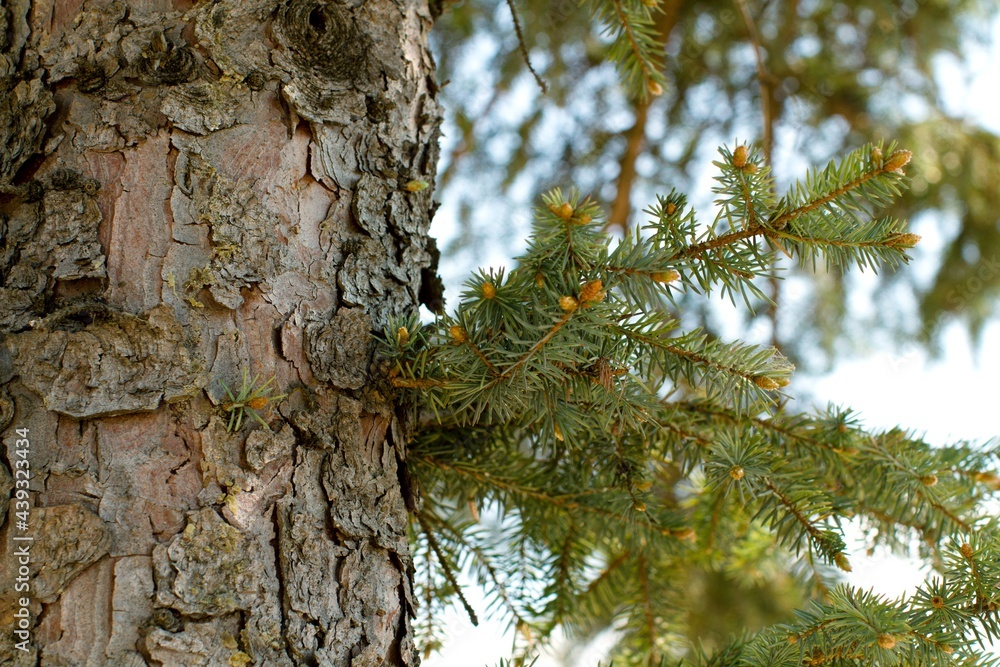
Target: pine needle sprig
636 47
830 214
581 451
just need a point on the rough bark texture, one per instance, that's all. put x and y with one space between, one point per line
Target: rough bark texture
187 192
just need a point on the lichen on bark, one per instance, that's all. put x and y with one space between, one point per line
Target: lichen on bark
114 364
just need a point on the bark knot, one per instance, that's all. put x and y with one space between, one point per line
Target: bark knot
324 37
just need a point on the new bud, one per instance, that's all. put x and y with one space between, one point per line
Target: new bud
592 291
766 383
897 161
903 240
666 276
563 210
740 156
841 561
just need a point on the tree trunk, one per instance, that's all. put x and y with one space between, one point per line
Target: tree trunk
187 194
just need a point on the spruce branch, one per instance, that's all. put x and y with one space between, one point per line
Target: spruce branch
613 450
636 44
482 562
446 567
567 503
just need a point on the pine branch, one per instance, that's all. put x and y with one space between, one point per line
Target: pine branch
636 44
547 387
446 568
484 565
564 502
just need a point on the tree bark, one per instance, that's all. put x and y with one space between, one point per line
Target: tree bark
189 193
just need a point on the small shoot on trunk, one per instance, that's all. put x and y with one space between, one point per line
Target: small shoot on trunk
251 399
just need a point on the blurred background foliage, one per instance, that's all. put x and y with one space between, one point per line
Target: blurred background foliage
832 76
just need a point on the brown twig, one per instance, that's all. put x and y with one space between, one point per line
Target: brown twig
620 11
793 509
647 602
693 357
446 568
482 357
534 348
774 223
523 48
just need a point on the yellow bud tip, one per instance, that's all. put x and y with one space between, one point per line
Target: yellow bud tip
592 291
877 155
644 485
666 276
897 161
417 186
903 240
740 156
887 641
457 333
539 280
568 303
257 403
793 639
489 290
841 561
737 473
937 602
929 480
402 335
967 551
766 383
655 89
947 650
563 210
671 208
558 432
582 219
640 506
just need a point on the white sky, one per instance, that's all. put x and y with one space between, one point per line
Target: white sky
952 398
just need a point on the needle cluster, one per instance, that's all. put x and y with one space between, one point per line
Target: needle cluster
586 458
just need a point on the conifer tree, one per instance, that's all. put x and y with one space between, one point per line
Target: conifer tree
806 81
615 450
582 453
